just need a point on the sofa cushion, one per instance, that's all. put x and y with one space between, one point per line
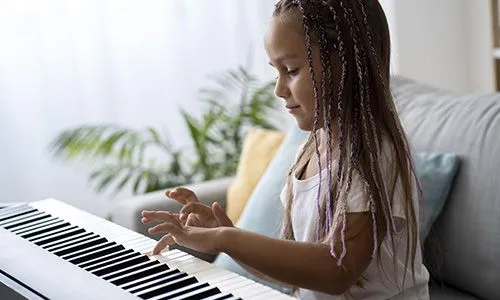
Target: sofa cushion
435 172
468 231
259 148
263 211
444 292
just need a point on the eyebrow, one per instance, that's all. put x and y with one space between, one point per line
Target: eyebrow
285 56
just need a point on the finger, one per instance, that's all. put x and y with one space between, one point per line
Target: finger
183 194
165 241
164 228
160 216
194 208
192 220
221 216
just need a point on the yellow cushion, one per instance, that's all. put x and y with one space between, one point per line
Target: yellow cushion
259 148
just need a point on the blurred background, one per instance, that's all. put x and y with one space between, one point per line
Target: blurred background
137 64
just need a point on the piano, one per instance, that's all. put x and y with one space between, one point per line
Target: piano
52 250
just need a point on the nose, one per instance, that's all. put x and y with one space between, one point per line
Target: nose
281 90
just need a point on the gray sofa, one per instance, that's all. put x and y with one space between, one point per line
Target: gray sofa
463 250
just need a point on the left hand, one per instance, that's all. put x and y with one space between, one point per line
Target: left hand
197 238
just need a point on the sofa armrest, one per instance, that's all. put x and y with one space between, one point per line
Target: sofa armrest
127 211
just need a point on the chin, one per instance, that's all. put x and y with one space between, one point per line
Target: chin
306 126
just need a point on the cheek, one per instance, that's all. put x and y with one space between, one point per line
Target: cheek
305 93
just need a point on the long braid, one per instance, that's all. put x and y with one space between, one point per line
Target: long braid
305 22
326 101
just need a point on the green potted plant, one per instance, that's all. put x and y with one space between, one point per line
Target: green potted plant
122 156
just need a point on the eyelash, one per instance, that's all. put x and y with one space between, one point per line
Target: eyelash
292 72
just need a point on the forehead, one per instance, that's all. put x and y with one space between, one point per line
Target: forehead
284 36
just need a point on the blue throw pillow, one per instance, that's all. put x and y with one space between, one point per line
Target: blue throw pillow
263 211
436 172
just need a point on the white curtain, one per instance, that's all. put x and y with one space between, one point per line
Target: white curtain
65 63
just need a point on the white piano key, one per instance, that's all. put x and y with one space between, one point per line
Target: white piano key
56 233
114 264
33 224
140 281
85 250
66 241
89 262
109 246
118 259
155 287
43 227
109 276
254 289
23 218
137 271
150 282
193 293
194 285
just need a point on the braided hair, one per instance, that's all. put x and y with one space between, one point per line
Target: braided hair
353 38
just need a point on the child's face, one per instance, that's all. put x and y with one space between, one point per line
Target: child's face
285 46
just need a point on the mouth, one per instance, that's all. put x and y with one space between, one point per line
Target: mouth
290 107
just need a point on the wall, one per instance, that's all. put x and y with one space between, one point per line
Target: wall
444 43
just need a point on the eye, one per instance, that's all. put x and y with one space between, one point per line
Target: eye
292 72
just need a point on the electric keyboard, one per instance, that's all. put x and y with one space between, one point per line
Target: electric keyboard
51 250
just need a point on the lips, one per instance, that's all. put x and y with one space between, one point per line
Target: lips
292 106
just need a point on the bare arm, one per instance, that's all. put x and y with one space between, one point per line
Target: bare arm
306 265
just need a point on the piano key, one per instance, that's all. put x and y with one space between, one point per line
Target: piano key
95 258
57 236
155 269
12 214
251 290
70 241
65 241
150 279
19 217
175 293
81 246
156 282
129 270
99 254
166 287
88 249
12 208
25 234
113 261
120 265
50 232
23 221
199 294
220 297
35 225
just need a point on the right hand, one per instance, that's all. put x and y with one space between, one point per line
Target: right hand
196 213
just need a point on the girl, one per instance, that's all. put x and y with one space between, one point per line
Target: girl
350 226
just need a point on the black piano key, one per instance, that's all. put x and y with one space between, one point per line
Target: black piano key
69 242
130 270
36 225
172 274
223 297
81 259
41 217
113 261
181 277
89 249
148 272
80 246
45 230
15 214
120 266
51 233
83 262
61 235
202 294
169 288
20 218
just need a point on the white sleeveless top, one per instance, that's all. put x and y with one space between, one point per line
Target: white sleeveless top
304 219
